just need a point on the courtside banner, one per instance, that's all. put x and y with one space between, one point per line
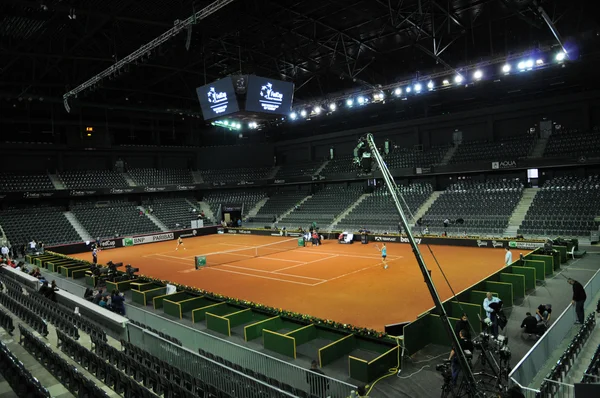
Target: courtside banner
142 240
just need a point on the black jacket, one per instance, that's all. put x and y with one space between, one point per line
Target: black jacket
530 324
578 292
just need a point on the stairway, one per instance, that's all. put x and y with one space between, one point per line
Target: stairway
320 169
339 218
81 231
273 172
205 207
253 211
448 156
129 180
56 181
426 205
517 217
539 148
584 358
284 215
155 220
197 177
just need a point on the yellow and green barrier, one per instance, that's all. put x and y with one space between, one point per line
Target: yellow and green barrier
540 268
548 262
79 273
228 318
517 281
505 291
176 306
141 287
336 350
90 279
158 300
120 286
142 297
54 265
67 270
199 314
473 311
279 343
368 371
255 330
477 296
528 273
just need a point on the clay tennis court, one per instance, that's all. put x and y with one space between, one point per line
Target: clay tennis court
345 283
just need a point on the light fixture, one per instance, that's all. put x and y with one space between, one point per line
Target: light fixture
418 87
430 85
539 62
458 79
398 91
293 115
478 74
529 64
303 113
408 89
446 82
521 65
332 106
506 68
317 110
349 102
560 56
361 100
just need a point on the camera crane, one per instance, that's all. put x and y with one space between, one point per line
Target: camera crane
366 149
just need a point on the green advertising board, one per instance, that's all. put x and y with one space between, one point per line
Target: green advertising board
127 241
200 261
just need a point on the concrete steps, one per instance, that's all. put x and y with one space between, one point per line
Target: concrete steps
289 211
539 148
341 217
81 231
585 357
129 180
155 220
56 181
516 219
320 169
205 207
253 211
197 177
273 172
448 156
425 206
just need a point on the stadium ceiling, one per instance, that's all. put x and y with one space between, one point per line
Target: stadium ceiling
48 47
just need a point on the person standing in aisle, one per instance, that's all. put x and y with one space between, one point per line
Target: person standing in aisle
578 300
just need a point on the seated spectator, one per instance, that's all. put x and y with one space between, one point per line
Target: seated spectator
530 325
89 294
44 289
103 302
36 273
543 313
117 302
97 297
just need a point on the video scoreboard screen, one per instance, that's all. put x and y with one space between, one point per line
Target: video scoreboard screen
269 96
217 99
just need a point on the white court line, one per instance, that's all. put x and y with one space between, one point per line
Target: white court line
269 272
299 265
260 276
234 244
356 256
353 272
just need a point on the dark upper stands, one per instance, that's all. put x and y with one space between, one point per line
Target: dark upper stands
117 218
573 143
485 207
508 149
18 377
409 158
377 212
92 179
298 169
277 204
174 213
341 165
44 224
11 182
323 207
248 199
155 177
564 206
235 175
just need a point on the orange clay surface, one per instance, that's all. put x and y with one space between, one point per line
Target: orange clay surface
345 283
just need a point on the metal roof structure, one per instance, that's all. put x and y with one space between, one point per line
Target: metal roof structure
48 47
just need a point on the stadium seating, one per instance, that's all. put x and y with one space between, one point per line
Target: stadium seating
6 322
410 158
21 182
322 207
235 175
508 149
277 204
485 208
341 165
117 219
247 198
26 315
573 143
18 377
155 177
92 179
174 213
44 224
377 212
565 207
300 169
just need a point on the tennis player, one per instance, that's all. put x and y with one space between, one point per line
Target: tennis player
180 243
383 251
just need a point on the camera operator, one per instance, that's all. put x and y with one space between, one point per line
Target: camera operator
467 346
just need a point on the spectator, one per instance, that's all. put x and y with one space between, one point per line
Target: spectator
97 297
4 251
318 384
530 325
44 289
543 313
239 222
103 302
491 312
578 300
89 294
36 273
117 302
507 257
463 324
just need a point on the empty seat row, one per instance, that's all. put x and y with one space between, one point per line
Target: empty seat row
82 179
21 182
298 169
6 322
155 177
44 224
573 143
18 377
174 213
506 149
161 334
68 375
28 316
236 175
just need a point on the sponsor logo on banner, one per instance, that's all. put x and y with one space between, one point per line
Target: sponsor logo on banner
218 100
507 164
279 182
108 244
294 234
481 243
117 191
244 231
271 99
81 193
245 183
525 245
185 187
405 240
154 189
423 170
386 239
231 231
220 231
190 235
140 240
127 241
36 195
495 243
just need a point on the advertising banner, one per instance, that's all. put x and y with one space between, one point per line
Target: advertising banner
269 95
217 99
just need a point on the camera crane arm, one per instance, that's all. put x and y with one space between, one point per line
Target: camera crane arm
391 186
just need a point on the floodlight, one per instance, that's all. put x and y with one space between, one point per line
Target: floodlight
418 87
521 65
226 122
332 106
408 89
529 64
478 74
560 56
361 100
293 115
349 102
446 82
506 68
317 110
398 91
539 62
303 113
430 85
458 79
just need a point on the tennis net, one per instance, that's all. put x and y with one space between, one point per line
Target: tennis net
232 256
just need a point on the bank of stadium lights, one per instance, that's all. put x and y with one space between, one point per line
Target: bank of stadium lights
303 113
478 74
458 79
332 107
252 125
349 102
360 100
446 82
398 92
560 57
506 68
418 87
293 115
228 124
430 85
317 110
